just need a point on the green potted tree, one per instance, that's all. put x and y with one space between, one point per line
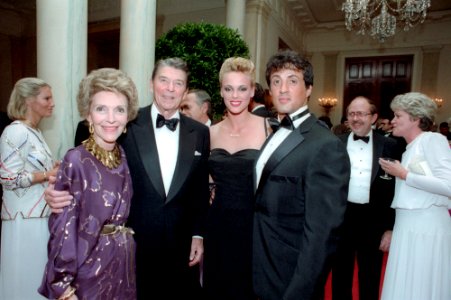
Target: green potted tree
204 47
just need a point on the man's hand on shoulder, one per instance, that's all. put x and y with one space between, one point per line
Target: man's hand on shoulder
57 200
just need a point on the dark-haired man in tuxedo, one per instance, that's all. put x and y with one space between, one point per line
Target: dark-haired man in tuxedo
302 178
366 231
257 103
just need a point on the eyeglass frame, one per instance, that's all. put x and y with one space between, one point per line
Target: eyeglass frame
358 114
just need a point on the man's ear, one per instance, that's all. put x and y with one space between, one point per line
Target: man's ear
374 118
309 90
151 86
204 107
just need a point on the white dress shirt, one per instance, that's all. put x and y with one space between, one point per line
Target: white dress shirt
167 146
361 157
275 142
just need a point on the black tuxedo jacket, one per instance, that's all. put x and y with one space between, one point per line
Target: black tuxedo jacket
382 216
164 225
300 204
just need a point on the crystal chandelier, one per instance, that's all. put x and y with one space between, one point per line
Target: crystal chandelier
381 16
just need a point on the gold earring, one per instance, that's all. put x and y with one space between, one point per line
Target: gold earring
125 129
91 128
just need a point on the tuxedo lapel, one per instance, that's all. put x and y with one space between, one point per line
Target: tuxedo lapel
255 163
378 147
292 140
147 148
187 147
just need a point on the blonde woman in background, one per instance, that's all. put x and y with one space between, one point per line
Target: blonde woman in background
26 164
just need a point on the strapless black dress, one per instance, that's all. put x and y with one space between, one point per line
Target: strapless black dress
228 242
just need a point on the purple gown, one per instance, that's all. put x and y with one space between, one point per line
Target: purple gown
98 265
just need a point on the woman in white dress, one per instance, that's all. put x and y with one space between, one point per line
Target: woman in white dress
26 164
419 261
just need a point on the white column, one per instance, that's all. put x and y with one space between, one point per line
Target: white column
257 14
61 61
236 10
137 44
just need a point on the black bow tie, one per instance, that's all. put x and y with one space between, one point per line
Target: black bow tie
286 122
171 124
366 139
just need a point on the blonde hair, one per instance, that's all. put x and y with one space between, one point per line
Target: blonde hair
238 64
111 80
25 88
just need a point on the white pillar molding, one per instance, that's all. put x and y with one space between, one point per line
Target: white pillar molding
431 64
137 44
61 61
235 13
257 14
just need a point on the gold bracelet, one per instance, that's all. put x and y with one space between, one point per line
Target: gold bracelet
45 176
68 294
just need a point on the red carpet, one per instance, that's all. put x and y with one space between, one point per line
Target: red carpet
355 284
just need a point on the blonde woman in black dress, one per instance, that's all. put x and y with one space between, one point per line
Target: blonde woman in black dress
235 145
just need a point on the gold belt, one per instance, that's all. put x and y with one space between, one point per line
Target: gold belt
112 229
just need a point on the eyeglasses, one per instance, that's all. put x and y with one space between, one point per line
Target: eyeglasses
358 114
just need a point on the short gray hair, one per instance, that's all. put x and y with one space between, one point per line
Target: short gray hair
173 62
418 106
201 98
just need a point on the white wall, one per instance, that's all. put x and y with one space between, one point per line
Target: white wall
176 12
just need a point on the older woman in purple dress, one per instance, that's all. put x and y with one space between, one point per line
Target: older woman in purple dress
91 252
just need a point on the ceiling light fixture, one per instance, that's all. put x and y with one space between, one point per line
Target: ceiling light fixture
380 17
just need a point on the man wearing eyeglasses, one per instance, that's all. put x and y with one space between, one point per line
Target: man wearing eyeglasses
368 221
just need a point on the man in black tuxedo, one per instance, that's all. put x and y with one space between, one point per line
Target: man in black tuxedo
197 105
369 218
257 103
167 154
170 182
386 129
302 178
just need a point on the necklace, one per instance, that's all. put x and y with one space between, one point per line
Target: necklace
110 159
235 132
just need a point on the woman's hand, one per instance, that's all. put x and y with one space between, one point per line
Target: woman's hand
53 171
393 168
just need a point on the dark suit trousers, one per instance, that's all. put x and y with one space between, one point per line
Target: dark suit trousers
360 240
